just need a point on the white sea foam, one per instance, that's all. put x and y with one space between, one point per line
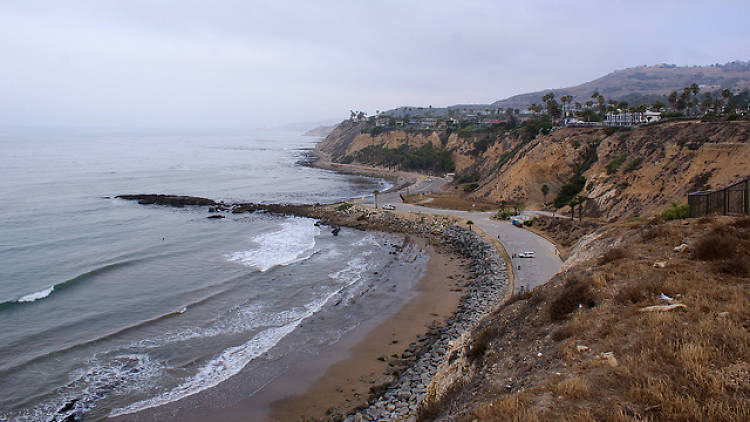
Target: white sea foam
368 240
352 273
37 295
294 242
232 360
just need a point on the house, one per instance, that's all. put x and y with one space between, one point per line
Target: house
624 118
652 116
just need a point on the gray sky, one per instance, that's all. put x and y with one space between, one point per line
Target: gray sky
242 64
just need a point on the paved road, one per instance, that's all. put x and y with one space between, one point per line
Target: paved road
528 272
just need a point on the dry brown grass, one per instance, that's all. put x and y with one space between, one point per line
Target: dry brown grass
691 365
450 201
575 388
515 408
576 293
613 254
715 246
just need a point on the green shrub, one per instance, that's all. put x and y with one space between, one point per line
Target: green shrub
733 116
504 214
426 157
468 178
634 164
528 223
613 165
569 190
345 206
676 212
471 187
576 143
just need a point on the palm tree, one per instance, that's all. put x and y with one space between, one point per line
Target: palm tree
695 89
673 98
726 94
545 191
469 223
375 194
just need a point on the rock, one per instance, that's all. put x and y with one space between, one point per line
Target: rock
681 248
663 308
582 348
609 358
171 200
660 264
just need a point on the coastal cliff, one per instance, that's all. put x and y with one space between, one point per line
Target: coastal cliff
625 172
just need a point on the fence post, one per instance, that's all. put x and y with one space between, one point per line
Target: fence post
747 196
725 205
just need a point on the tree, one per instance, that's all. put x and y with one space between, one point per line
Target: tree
658 105
375 194
707 102
469 223
580 200
726 94
545 191
695 89
673 99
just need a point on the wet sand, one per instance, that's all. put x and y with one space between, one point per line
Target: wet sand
340 378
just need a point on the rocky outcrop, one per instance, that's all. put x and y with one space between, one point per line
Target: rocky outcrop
171 200
659 163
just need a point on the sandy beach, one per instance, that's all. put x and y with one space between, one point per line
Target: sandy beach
339 379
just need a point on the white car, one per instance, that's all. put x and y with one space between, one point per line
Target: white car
388 207
526 254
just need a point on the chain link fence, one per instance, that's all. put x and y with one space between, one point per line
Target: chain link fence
732 200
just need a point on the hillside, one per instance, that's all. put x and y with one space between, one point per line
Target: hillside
320 131
646 81
630 331
635 85
649 167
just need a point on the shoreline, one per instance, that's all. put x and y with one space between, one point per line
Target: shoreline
400 179
485 284
340 379
370 363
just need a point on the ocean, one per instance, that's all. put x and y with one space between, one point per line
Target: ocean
108 307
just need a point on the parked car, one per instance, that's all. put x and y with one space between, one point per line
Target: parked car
526 254
388 207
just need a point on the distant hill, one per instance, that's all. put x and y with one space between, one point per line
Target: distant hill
320 131
642 84
646 81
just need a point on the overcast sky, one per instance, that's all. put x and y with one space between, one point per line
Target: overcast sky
244 64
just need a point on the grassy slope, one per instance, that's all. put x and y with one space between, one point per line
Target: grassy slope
524 362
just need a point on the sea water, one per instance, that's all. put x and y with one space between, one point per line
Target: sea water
108 307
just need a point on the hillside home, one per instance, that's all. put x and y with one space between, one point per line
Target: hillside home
631 118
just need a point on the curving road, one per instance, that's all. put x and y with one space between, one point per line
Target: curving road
528 272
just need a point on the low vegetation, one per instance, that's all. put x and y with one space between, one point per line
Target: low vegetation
677 211
634 164
471 187
425 158
598 343
343 207
615 164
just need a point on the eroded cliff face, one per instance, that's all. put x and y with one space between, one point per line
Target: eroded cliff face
658 164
